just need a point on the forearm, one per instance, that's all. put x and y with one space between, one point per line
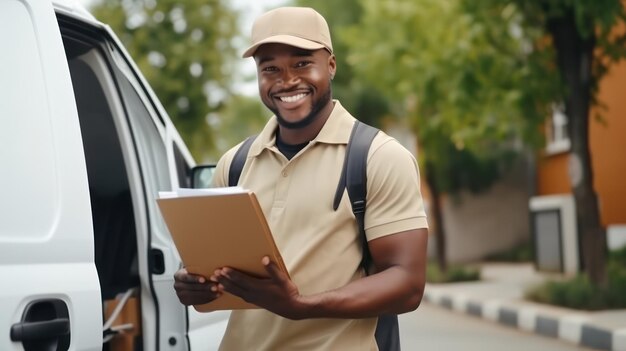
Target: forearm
400 260
394 290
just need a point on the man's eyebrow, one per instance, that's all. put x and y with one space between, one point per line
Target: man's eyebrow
303 53
296 53
263 59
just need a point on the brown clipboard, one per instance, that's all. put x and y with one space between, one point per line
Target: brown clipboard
226 230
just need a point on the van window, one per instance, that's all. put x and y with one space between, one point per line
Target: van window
148 135
182 168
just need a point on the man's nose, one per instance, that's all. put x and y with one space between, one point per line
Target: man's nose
289 77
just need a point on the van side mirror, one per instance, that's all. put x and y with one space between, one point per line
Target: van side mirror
201 176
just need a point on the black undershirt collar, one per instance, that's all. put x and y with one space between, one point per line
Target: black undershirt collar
288 150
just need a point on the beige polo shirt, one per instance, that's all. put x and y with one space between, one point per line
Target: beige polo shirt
320 246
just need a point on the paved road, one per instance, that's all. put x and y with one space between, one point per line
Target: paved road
435 328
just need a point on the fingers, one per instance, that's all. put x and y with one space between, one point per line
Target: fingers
275 292
185 277
234 288
206 286
273 270
188 298
239 283
230 280
186 281
193 289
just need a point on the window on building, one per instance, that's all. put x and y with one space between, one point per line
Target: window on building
557 135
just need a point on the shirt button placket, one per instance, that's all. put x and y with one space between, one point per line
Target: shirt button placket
282 185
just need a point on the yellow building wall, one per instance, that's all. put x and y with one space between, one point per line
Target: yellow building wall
608 152
552 177
608 147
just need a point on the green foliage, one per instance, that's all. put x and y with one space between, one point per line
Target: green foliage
599 18
587 37
464 78
591 18
455 273
618 256
470 87
240 117
580 293
519 253
452 169
360 97
184 50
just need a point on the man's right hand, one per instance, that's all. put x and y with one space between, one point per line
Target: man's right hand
194 289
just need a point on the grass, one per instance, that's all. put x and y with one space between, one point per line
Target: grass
579 293
522 252
455 273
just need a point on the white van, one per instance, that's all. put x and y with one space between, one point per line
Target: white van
86 262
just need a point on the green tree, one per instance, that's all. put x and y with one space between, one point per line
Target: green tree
449 170
241 117
475 81
185 51
467 102
587 37
485 73
359 96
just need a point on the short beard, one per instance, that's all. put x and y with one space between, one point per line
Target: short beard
316 107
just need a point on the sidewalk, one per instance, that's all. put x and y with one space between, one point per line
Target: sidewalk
499 297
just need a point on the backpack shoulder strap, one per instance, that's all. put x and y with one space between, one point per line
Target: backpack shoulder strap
239 160
354 178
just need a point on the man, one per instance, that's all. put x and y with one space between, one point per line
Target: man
293 166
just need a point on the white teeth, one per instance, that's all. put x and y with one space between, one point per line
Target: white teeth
292 98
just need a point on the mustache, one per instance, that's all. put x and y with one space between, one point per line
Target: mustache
290 90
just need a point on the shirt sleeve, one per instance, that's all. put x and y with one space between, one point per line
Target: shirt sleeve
394 198
220 178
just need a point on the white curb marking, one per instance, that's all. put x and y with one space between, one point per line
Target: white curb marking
571 327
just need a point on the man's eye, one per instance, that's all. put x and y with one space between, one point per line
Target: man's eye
269 69
303 64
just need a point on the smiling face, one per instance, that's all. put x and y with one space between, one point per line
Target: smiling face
295 84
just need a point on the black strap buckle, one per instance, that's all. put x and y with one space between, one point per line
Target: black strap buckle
358 206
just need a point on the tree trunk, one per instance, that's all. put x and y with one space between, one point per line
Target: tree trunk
440 242
575 59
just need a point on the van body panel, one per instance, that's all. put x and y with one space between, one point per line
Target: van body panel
57 94
46 234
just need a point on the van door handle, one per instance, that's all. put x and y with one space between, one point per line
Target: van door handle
157 261
27 331
45 325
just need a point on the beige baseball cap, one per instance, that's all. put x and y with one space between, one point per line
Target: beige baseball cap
302 27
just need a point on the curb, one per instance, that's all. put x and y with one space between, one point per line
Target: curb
574 328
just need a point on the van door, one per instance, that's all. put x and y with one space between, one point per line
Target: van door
50 298
133 151
165 163
205 330
127 164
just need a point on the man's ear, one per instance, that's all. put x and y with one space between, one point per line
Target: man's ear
332 66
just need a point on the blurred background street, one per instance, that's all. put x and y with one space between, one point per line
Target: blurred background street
435 328
515 111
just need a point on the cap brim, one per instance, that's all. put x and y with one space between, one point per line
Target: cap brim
287 40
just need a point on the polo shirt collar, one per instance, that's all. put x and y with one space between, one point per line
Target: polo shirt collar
336 130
